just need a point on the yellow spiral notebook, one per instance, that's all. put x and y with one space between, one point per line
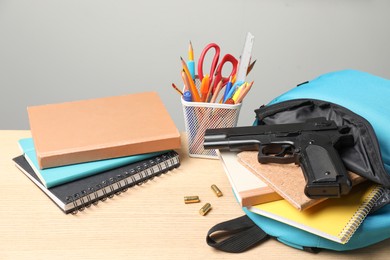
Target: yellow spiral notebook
334 219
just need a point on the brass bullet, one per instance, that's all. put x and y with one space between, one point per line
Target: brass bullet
191 199
205 209
216 190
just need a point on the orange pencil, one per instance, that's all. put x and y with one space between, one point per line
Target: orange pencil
193 89
233 79
209 94
230 101
185 81
216 92
204 89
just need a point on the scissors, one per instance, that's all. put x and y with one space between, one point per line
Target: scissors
216 69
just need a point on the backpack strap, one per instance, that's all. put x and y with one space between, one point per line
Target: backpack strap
236 235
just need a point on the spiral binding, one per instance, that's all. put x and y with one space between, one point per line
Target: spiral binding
122 182
361 213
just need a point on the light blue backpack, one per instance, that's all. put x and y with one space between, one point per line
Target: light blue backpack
351 98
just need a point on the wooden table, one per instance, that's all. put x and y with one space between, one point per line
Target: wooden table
146 222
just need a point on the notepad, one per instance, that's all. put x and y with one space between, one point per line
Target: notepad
102 128
55 176
80 194
335 219
248 188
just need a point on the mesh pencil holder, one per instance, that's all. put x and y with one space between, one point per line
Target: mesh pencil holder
199 116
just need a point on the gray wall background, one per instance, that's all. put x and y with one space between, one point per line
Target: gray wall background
54 51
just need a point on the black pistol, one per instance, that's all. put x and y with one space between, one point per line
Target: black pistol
312 145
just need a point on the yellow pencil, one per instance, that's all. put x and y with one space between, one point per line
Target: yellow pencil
190 52
238 91
191 62
244 92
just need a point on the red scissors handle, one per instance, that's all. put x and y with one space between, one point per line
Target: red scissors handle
214 62
218 73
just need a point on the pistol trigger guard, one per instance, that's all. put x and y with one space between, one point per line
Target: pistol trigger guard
276 153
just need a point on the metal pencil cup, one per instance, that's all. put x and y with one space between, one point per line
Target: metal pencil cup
199 116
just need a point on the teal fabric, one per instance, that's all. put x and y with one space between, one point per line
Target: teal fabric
360 92
368 96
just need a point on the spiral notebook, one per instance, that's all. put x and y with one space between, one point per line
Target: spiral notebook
77 195
334 219
62 174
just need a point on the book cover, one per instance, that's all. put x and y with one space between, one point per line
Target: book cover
102 128
77 195
334 219
59 175
286 179
248 188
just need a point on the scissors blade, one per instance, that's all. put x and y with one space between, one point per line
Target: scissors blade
228 58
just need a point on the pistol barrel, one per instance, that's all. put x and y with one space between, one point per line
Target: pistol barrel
222 140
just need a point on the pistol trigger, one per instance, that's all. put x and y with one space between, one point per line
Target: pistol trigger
286 150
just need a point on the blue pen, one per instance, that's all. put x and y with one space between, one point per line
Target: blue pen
232 90
187 96
227 90
191 120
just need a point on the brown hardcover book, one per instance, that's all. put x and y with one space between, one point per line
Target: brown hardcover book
102 128
285 179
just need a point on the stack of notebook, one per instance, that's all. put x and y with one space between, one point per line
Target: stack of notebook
86 151
276 191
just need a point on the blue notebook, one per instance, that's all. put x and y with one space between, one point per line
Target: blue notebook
77 195
52 177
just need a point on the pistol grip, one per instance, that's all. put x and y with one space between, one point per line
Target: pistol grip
324 172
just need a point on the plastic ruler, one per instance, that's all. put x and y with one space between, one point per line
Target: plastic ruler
245 58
